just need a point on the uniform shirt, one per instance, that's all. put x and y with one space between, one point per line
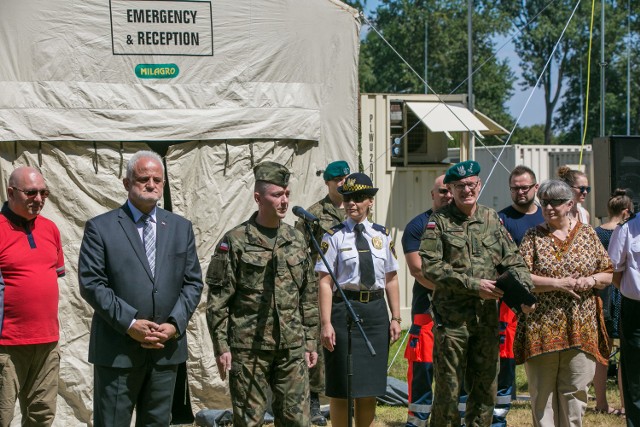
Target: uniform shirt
31 260
328 216
339 247
261 296
421 299
457 251
624 250
517 223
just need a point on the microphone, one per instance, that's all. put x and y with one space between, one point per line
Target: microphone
302 214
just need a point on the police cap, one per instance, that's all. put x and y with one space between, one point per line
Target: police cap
357 183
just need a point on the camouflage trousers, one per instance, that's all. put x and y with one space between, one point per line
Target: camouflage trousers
257 373
465 354
316 374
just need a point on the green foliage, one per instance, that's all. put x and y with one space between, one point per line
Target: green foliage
402 23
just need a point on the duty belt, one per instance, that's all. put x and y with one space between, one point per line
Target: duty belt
361 296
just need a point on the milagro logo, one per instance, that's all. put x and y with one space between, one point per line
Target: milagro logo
157 71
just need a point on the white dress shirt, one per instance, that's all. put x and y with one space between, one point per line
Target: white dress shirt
340 251
624 250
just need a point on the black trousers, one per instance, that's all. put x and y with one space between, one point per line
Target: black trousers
630 359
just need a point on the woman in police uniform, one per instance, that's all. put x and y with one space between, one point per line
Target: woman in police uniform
362 256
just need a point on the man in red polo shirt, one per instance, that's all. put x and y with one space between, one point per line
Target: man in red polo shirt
31 261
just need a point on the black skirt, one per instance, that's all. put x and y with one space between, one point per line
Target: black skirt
369 373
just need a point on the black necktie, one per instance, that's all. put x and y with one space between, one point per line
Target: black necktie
367 272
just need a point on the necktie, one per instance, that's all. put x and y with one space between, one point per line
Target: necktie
149 241
367 272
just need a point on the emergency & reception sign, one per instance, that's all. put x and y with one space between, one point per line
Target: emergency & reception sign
142 27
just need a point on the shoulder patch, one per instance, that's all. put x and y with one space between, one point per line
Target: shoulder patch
335 228
223 246
380 228
431 225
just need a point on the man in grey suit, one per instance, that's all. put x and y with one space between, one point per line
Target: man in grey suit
139 271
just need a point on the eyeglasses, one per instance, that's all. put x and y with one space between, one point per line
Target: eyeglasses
33 193
583 189
553 202
443 191
470 185
356 198
523 188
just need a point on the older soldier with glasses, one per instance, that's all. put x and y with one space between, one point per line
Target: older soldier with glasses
464 249
31 261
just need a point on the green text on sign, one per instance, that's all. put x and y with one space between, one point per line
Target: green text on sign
157 71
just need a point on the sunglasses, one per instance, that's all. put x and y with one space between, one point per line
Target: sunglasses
553 202
583 189
356 198
523 188
33 193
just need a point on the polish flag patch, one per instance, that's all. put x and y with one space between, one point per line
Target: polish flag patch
224 247
431 225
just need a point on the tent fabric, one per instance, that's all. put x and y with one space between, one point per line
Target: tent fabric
277 70
441 117
281 85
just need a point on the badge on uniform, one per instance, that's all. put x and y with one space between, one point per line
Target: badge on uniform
325 247
431 225
376 242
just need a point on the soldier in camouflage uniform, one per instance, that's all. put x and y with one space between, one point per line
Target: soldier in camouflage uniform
262 309
464 249
330 212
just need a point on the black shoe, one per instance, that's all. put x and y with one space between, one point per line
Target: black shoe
317 419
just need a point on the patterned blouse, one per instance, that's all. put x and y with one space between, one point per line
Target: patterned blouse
559 321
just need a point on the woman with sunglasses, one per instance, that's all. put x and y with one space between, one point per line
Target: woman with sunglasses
362 256
620 208
579 184
561 341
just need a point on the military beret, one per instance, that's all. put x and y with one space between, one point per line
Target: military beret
336 169
272 172
462 170
357 183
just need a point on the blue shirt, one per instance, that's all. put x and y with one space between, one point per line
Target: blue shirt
518 223
420 301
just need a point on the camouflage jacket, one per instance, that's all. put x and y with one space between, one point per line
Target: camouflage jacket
261 297
328 215
457 251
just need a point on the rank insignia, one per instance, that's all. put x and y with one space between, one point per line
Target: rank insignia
325 247
377 242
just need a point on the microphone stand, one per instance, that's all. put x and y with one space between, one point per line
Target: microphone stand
352 317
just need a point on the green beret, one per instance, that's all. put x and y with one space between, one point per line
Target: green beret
462 170
272 172
336 169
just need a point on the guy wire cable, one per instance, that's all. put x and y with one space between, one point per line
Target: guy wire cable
586 109
575 8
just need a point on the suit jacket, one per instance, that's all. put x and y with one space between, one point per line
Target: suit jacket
115 279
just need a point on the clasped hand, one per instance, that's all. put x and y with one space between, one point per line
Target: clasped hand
151 335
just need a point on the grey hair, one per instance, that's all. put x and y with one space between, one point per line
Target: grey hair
555 189
144 154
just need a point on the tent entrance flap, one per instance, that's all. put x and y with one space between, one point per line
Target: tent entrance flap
438 117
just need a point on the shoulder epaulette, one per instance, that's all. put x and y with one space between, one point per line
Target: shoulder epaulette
380 228
335 228
633 215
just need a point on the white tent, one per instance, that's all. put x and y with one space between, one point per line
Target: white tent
214 86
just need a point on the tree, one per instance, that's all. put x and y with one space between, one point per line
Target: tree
570 115
402 23
542 23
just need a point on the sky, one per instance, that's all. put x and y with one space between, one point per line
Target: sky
534 112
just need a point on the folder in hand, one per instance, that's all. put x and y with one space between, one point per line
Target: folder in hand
515 293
